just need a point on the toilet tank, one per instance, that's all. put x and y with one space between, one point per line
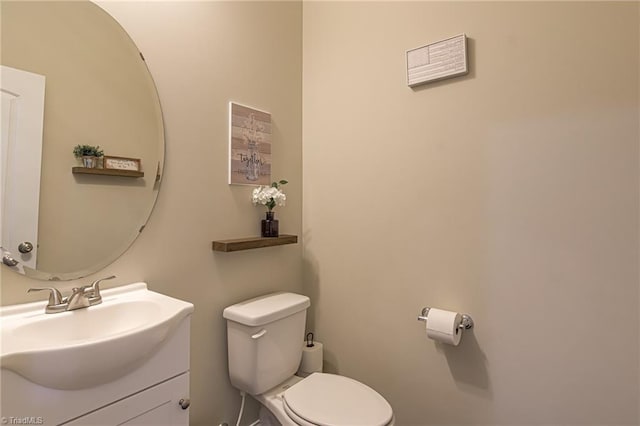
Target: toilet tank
264 340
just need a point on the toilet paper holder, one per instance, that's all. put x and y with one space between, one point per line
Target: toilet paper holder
465 324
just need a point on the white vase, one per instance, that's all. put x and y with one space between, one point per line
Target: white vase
90 162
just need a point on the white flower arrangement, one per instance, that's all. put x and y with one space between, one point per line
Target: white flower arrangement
270 196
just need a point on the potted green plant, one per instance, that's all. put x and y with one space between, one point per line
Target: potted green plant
89 154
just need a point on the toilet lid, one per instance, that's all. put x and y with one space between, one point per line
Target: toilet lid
332 400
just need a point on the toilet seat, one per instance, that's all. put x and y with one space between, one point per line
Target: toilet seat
331 400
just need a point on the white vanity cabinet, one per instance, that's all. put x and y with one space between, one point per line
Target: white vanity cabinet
160 405
152 388
149 395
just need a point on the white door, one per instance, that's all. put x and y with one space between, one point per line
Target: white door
20 161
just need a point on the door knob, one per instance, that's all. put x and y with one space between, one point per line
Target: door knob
8 260
184 403
25 247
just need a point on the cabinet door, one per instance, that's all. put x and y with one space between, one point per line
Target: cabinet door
155 406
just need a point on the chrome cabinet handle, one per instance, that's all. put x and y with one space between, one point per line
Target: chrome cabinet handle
25 247
184 403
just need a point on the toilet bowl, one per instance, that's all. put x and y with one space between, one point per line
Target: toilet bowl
264 342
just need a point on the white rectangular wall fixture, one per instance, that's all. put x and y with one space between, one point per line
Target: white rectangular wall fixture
436 61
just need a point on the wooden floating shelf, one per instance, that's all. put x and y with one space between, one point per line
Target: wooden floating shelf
253 243
107 172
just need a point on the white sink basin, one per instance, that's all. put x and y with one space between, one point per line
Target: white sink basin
88 347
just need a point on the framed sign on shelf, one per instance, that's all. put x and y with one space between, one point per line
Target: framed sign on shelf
122 163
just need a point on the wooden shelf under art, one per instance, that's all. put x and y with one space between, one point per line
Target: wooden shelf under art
253 243
107 172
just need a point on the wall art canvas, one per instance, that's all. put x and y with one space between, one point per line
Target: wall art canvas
249 145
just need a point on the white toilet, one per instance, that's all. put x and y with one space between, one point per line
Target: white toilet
264 337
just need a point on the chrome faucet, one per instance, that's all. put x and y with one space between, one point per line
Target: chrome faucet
80 297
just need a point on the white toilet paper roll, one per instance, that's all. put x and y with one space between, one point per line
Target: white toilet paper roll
311 359
442 326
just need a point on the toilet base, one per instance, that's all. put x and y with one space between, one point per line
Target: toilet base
272 406
267 418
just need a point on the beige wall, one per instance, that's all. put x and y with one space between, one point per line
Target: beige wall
510 194
203 55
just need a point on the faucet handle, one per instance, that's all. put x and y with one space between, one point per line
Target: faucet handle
93 290
95 286
55 298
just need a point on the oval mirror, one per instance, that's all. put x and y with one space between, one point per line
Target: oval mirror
72 76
